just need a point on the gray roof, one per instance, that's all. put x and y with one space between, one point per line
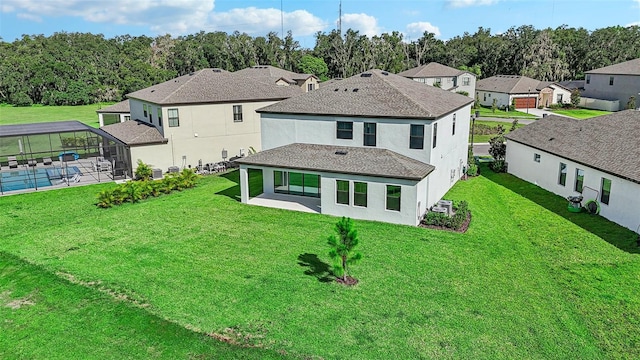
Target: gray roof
374 93
631 67
213 86
120 108
368 161
609 143
271 73
509 84
134 132
432 69
572 84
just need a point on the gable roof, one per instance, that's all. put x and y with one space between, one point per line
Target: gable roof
631 67
271 72
374 93
608 143
368 161
509 84
432 69
121 107
135 132
212 86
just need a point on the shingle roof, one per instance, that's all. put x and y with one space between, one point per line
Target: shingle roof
573 84
509 84
212 86
357 160
374 93
432 69
134 132
609 142
271 72
631 67
121 107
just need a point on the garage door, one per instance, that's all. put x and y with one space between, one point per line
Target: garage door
522 103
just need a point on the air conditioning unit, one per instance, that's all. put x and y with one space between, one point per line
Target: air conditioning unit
447 204
157 174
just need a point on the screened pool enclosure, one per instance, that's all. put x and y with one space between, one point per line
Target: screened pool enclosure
57 154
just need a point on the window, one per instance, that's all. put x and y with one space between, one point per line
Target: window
437 82
237 113
416 137
453 129
393 197
536 158
360 194
127 117
310 87
579 180
174 119
465 81
144 109
369 134
588 78
610 80
435 135
150 114
485 96
562 176
296 183
159 116
559 99
342 192
344 130
605 191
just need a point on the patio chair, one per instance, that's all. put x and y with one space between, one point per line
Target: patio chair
47 161
32 162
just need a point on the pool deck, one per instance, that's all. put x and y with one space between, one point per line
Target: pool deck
86 167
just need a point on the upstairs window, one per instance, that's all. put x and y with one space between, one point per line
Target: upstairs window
453 129
144 109
465 81
237 113
536 158
159 116
435 135
174 119
310 87
369 134
416 137
588 79
610 80
344 130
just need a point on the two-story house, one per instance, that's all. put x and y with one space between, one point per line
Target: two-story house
272 74
374 146
444 77
116 113
611 87
207 116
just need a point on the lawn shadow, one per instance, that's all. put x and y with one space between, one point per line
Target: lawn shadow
618 236
232 192
316 267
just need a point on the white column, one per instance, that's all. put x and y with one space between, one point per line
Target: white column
244 184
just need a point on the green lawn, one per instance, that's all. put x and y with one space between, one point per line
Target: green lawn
484 138
581 113
38 113
528 280
487 112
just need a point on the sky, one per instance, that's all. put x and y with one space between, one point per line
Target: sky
304 18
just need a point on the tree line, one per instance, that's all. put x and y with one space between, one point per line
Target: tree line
83 68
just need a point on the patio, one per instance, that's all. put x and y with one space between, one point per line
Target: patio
288 202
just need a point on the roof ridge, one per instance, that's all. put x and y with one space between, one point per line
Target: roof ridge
185 83
379 75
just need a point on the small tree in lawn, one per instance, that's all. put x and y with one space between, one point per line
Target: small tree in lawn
575 98
498 149
494 105
343 248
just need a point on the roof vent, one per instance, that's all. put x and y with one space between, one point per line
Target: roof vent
365 75
385 73
341 152
355 90
153 90
217 70
191 73
551 139
336 89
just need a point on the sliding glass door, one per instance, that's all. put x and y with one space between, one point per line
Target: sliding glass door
295 183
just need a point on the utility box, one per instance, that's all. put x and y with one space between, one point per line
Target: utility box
157 174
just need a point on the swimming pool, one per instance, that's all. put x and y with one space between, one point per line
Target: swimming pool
32 178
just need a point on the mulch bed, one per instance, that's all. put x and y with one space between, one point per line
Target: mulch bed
462 229
348 282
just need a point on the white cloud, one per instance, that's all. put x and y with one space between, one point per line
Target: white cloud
29 17
417 29
260 21
637 23
365 24
467 3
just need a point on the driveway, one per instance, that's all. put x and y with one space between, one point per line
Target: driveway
540 112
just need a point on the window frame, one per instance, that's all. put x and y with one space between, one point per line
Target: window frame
434 136
562 176
536 157
342 133
611 80
237 113
466 80
358 194
392 196
367 136
311 87
413 137
144 110
341 192
159 117
453 128
579 180
588 79
602 191
174 121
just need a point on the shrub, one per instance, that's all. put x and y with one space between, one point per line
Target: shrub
143 171
472 170
454 222
436 219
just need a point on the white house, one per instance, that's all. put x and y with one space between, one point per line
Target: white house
115 113
445 77
207 116
375 146
598 158
610 87
521 91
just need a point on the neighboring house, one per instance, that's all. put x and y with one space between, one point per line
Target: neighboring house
521 91
115 113
374 146
268 73
208 115
610 87
598 158
446 77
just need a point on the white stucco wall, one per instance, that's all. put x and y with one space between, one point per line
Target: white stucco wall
411 206
566 94
486 98
624 202
157 155
204 131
